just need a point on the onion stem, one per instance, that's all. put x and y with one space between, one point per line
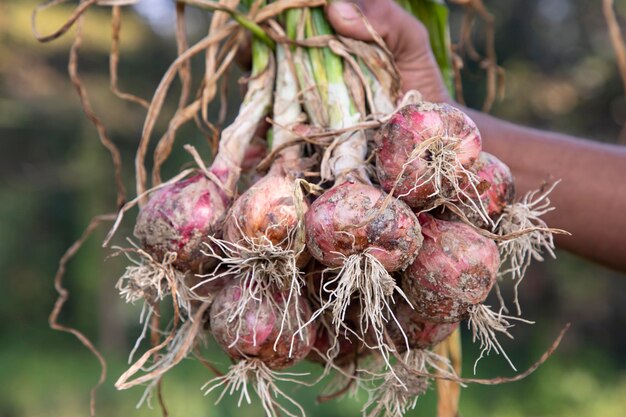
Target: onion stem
337 95
316 57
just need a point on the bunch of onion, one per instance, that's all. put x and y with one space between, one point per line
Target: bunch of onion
355 229
263 235
181 214
521 233
232 266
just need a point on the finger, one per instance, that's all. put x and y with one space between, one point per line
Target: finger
347 19
405 36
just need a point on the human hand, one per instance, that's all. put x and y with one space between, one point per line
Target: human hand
404 35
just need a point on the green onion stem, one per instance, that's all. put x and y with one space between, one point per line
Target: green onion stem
316 58
292 19
260 56
341 109
260 46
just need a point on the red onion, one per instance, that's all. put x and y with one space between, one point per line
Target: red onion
262 331
265 213
360 234
391 235
455 269
450 144
263 338
178 218
419 333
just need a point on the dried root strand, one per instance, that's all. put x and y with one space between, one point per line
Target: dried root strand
495 74
263 381
114 58
80 9
106 141
399 391
484 324
452 183
64 294
518 253
361 278
341 383
177 345
160 94
263 268
187 112
184 72
347 378
490 381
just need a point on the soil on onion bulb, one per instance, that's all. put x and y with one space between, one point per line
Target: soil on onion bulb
455 268
177 219
451 278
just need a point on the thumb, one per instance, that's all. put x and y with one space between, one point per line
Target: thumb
405 36
347 17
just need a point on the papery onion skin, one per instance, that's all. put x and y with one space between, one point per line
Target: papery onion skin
407 129
455 269
391 235
259 328
265 211
179 217
420 333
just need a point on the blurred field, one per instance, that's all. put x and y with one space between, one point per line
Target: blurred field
54 175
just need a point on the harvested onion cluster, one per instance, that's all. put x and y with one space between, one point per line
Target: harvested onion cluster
373 226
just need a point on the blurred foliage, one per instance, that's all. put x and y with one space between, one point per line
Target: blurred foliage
560 75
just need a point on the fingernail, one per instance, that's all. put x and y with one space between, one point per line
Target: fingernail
345 10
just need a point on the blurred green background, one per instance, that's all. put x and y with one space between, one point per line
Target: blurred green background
560 75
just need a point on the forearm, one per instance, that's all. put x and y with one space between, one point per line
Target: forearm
590 201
